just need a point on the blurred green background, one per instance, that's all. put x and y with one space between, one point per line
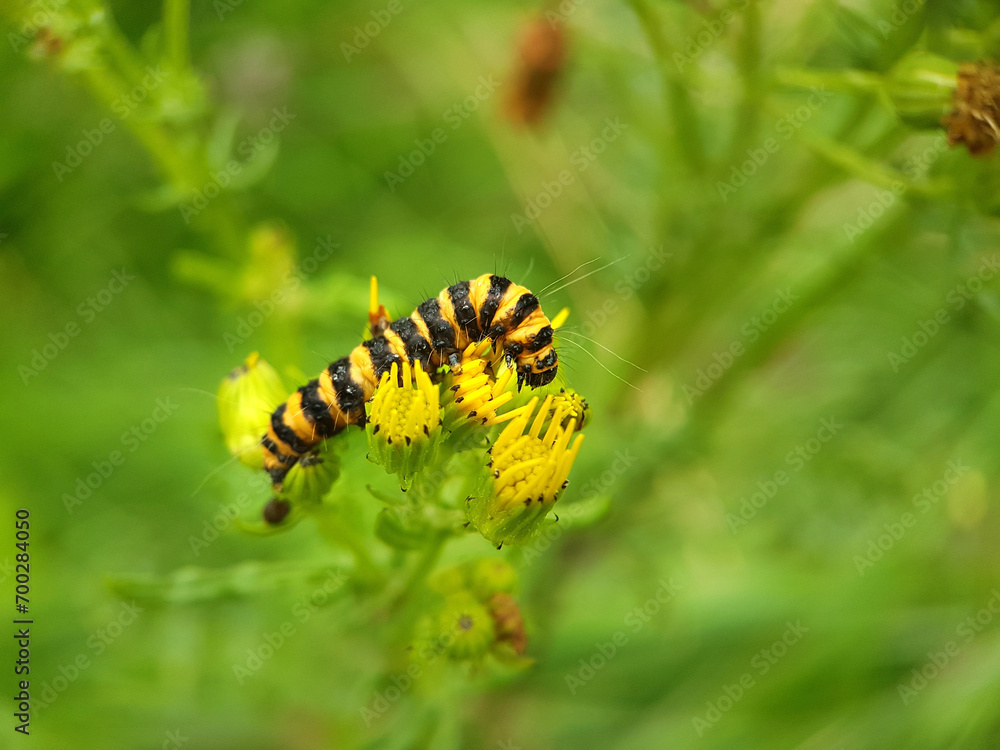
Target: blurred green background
801 463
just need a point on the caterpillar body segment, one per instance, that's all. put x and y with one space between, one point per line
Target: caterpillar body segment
488 307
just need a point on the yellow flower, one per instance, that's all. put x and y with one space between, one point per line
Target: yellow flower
247 397
404 422
528 471
477 392
378 316
572 406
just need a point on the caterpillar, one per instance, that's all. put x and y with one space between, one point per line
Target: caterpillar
489 306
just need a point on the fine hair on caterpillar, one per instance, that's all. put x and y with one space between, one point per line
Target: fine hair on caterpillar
487 307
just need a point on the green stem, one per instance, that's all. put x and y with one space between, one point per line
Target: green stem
824 285
847 81
870 170
748 117
175 165
122 54
425 564
687 137
706 284
333 528
176 15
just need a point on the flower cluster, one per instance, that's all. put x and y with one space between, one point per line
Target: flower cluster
477 616
415 427
478 452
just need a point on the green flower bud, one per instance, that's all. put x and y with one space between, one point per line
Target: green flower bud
920 88
272 252
247 397
312 476
450 580
465 627
492 576
404 422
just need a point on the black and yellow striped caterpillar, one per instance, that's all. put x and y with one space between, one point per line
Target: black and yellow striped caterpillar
439 329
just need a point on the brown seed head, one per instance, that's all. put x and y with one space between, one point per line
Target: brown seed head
975 117
508 624
541 57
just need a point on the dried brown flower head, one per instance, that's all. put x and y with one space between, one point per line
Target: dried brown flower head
541 56
975 117
507 621
47 44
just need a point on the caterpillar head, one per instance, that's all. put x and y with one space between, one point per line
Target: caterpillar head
538 368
